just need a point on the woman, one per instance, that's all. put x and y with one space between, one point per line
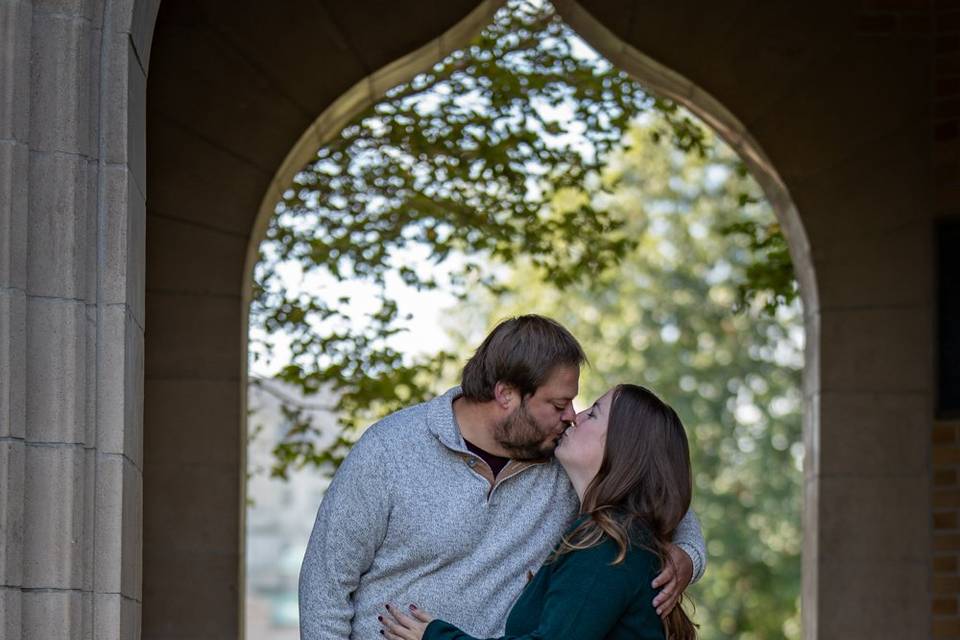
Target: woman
628 460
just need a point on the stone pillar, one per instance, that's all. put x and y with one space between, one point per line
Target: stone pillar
15 22
945 441
72 88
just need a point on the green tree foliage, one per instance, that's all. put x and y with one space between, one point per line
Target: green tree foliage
769 275
535 177
463 163
664 319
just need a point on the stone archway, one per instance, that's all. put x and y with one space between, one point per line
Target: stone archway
836 100
215 138
661 80
764 102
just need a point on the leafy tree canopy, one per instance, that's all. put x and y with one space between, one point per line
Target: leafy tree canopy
663 319
536 177
468 164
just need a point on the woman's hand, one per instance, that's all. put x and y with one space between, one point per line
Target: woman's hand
398 626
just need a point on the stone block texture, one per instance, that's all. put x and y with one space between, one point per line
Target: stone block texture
127 218
72 228
945 440
945 516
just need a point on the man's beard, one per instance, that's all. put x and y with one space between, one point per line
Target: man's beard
522 437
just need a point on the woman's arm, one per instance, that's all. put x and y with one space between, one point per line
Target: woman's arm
585 599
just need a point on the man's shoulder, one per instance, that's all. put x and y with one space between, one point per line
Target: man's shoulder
396 427
387 438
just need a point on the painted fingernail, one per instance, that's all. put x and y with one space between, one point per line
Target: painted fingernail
413 607
387 606
380 618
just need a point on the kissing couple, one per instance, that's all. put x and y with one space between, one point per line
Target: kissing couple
497 511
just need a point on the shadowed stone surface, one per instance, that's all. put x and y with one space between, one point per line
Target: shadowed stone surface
141 147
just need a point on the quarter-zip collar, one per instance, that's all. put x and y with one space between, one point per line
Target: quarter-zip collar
442 423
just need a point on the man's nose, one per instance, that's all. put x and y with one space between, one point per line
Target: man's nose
569 415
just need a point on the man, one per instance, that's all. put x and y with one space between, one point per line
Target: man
452 504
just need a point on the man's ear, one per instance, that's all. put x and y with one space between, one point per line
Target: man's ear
504 394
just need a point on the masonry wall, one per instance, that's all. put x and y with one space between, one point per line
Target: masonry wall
836 95
945 580
71 317
945 605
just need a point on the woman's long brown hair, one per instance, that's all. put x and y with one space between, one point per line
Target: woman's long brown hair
644 483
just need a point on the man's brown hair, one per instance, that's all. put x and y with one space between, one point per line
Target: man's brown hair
521 352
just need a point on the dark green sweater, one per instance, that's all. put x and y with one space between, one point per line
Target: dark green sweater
580 596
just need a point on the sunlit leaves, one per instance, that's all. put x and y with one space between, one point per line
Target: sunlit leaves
467 161
665 318
499 154
769 278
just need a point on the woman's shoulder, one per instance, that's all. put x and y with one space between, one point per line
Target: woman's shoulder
602 566
639 554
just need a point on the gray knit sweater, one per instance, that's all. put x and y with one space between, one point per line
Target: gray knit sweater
411 517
